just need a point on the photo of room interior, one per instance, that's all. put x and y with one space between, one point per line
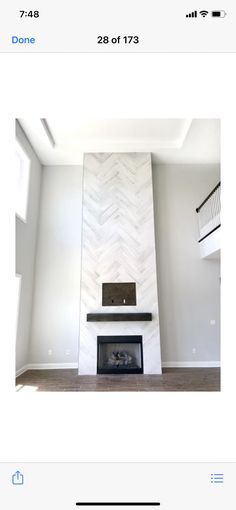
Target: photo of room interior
118 254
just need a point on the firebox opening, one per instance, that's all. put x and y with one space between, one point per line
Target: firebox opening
120 354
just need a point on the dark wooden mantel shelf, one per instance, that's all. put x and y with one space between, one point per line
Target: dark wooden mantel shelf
111 317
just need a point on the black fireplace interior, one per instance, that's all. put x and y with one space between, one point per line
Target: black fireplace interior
120 354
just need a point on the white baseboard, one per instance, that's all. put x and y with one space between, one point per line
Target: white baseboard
45 366
165 364
51 366
21 370
190 364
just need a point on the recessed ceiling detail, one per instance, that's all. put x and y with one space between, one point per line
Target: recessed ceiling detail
64 141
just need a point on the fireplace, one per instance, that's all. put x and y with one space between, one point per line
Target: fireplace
120 354
118 267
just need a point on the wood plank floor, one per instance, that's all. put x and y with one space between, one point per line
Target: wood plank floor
172 379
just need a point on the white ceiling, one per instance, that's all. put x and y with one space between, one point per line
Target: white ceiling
169 140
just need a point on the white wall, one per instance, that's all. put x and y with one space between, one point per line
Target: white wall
26 234
55 323
188 287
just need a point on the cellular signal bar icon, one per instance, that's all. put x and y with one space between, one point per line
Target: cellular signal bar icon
192 14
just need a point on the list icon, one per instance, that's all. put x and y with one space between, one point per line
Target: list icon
217 477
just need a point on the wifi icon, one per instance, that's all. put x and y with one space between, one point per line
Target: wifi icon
203 13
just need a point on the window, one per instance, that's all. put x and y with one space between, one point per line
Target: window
22 166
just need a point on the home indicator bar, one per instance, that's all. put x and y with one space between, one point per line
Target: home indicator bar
118 504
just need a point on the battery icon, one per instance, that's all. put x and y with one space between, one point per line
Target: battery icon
218 14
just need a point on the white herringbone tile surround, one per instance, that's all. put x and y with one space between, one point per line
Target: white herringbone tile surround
118 245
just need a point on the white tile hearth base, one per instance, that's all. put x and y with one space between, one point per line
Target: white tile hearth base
118 245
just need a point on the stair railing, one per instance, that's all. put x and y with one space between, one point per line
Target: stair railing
209 213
